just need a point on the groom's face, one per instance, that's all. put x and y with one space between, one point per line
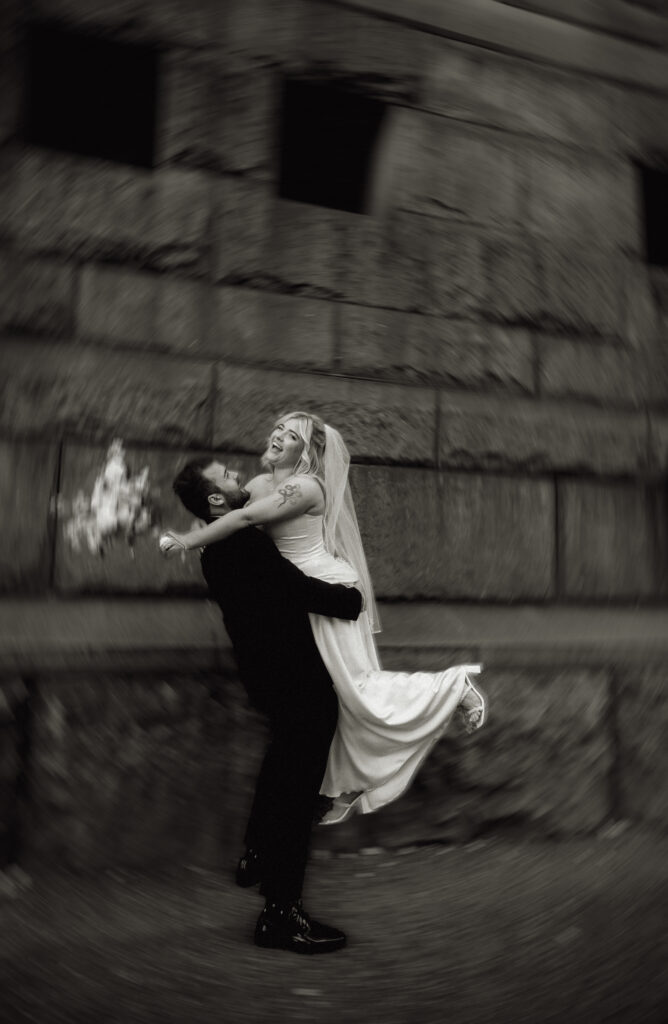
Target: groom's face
225 482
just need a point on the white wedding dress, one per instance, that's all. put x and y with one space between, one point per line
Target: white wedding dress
388 721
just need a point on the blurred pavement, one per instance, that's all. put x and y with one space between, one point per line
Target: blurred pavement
493 932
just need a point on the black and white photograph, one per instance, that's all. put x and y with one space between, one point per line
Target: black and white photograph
334 531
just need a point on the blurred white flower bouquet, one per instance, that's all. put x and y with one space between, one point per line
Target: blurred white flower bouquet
119 504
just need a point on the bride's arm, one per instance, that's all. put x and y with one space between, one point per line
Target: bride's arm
296 495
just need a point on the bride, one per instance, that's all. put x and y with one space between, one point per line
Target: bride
388 721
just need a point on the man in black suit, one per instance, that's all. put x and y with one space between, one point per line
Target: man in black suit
265 601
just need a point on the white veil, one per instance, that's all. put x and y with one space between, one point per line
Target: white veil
342 534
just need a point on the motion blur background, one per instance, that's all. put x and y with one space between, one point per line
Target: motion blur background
444 227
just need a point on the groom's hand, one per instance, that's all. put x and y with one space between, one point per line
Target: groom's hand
351 586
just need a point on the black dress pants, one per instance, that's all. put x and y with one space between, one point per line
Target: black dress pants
286 793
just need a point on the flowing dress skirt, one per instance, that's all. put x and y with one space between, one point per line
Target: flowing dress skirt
388 721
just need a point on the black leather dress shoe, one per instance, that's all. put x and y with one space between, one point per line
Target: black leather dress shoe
249 869
291 928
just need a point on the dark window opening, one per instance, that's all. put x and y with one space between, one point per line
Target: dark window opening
327 141
655 201
91 96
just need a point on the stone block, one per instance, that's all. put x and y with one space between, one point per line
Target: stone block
646 328
183 133
36 294
638 122
455 274
386 261
463 173
200 24
381 58
582 288
274 244
245 113
29 471
98 209
132 564
642 325
116 303
379 421
470 84
449 535
512 290
259 34
179 220
47 389
457 82
565 107
642 719
240 231
180 315
96 15
78 205
481 432
303 248
407 347
608 374
573 199
606 540
139 308
211 118
274 330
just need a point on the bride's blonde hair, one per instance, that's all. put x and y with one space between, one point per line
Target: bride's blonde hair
311 429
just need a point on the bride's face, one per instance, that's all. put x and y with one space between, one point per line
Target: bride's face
285 445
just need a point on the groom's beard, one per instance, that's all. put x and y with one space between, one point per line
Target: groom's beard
243 498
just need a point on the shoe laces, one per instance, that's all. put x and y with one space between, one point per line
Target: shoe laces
293 912
299 915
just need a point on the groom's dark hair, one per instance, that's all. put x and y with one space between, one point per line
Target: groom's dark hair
194 488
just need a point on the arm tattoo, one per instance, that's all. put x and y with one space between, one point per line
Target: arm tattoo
291 494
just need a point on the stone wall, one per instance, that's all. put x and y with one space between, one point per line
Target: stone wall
489 338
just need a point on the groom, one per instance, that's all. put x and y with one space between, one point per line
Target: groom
265 601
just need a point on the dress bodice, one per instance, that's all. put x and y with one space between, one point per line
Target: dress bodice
301 540
298 539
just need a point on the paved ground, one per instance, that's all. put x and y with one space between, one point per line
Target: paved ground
496 932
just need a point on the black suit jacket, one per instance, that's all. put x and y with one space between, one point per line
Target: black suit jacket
265 601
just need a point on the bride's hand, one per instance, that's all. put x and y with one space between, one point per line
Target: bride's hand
171 543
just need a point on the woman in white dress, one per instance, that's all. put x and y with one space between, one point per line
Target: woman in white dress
388 721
